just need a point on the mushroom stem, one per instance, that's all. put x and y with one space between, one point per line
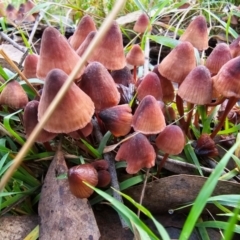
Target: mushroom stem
143 190
231 102
165 157
135 74
179 103
189 117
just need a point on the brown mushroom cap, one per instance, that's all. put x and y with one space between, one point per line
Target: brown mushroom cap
117 119
142 24
110 50
148 118
178 63
150 85
104 178
11 13
138 153
98 84
82 48
235 47
101 164
79 174
171 140
74 111
167 86
226 82
135 56
218 57
55 52
84 27
13 95
30 120
122 76
197 33
30 66
197 87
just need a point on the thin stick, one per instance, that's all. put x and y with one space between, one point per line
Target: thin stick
179 103
17 46
143 190
165 157
9 60
106 24
112 170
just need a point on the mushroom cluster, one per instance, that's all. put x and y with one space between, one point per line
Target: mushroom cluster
104 91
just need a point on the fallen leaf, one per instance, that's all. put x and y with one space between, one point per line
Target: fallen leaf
17 227
174 191
62 215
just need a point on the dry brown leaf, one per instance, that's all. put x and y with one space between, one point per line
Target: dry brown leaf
17 227
174 191
63 216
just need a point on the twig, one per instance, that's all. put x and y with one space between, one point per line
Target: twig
143 190
19 47
112 170
37 21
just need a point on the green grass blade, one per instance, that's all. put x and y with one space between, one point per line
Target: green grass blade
133 218
3 160
218 224
3 74
103 142
205 193
166 41
93 150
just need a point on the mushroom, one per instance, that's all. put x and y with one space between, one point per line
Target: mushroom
148 117
142 24
79 174
30 66
197 33
135 57
84 27
138 153
171 141
117 119
122 76
30 120
74 111
109 51
55 52
98 84
13 95
150 85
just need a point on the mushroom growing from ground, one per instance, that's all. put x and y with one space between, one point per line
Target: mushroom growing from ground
171 141
142 24
148 118
79 174
55 52
30 66
74 111
13 95
138 153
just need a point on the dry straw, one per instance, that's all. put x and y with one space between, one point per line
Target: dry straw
105 26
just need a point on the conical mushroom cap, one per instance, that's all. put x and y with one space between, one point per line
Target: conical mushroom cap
171 140
117 119
98 84
197 87
85 26
55 52
235 47
82 48
122 76
197 33
218 57
178 63
150 85
30 120
167 87
11 13
138 153
110 50
135 56
30 66
142 24
13 95
148 118
73 112
227 81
